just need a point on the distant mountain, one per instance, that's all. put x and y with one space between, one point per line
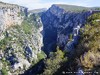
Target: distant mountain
37 10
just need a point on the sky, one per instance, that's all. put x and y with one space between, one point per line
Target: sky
36 4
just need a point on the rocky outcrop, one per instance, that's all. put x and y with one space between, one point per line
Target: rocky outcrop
11 14
61 27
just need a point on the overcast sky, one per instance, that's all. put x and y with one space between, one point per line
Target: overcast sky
35 4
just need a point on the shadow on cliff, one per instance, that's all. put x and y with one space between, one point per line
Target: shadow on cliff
49 33
36 69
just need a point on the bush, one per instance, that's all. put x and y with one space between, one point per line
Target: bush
27 27
54 62
4 71
41 55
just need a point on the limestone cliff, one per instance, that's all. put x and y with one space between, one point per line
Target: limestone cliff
11 14
20 39
62 24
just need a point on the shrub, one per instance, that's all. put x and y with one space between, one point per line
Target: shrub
54 62
4 71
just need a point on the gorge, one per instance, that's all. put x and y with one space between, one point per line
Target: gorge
28 38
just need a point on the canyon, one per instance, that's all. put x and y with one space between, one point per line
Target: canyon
28 37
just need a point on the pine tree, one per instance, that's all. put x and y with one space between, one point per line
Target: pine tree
54 62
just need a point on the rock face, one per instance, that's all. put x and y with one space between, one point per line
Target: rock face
61 27
20 39
11 14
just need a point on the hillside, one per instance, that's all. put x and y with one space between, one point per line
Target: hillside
20 39
89 45
74 8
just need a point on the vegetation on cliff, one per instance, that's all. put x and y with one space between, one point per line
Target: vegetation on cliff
87 54
56 60
21 46
89 47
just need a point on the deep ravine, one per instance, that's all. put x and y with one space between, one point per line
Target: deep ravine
61 28
29 38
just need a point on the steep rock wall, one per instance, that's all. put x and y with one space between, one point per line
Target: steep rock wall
11 14
62 27
20 39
